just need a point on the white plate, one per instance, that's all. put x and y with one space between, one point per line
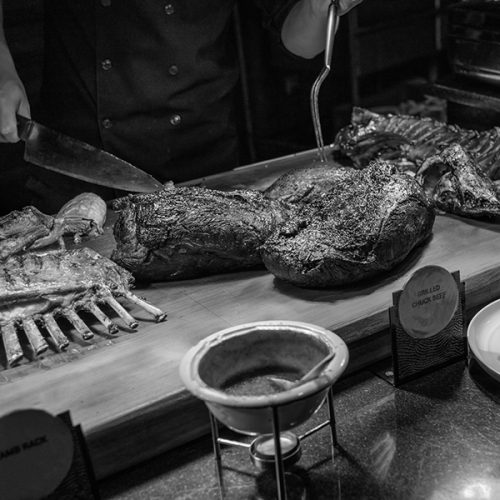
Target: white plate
483 337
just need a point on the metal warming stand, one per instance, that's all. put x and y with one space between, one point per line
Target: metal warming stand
263 351
262 456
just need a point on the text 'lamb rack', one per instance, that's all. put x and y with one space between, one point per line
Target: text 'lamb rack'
38 289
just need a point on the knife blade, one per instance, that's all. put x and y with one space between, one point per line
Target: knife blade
68 156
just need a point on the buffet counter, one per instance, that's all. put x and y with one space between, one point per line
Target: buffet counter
126 392
436 439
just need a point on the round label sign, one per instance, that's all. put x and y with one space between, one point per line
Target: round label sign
428 302
36 452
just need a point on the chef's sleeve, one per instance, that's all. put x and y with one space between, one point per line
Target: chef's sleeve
274 13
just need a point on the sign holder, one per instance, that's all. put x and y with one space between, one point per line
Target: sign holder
427 323
80 482
44 456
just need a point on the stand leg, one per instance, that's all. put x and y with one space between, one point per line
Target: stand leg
278 464
217 453
331 416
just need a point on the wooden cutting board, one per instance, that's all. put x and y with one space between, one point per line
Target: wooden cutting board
127 394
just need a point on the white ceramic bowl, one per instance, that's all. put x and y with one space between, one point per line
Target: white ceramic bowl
483 338
263 347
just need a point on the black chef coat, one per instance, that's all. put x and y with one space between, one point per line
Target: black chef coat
148 80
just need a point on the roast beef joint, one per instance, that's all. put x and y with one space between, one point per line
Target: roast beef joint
365 222
350 226
180 233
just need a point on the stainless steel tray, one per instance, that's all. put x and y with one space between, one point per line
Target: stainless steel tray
262 174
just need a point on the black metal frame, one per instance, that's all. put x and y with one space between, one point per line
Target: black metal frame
408 369
279 466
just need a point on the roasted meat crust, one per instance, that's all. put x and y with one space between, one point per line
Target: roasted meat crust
410 140
29 229
317 227
363 223
457 185
19 229
306 184
31 283
181 233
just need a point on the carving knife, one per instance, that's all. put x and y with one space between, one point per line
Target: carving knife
68 156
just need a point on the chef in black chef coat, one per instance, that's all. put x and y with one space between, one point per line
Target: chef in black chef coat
151 81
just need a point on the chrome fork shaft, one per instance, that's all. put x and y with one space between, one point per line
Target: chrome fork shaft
331 28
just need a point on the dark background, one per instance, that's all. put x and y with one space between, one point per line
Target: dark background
385 52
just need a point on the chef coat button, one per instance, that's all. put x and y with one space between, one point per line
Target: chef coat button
106 64
173 70
169 9
175 120
107 123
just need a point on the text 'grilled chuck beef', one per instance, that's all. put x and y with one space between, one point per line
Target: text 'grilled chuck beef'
180 233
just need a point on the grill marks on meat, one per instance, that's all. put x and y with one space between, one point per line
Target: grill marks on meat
409 140
457 185
365 222
180 233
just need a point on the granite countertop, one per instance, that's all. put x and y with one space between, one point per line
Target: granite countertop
435 438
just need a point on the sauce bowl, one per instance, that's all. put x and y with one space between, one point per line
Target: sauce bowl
224 361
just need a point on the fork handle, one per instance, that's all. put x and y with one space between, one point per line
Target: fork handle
331 28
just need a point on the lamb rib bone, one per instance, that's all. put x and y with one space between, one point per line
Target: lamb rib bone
13 350
35 338
60 340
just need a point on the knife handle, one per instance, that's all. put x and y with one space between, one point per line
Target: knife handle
23 126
